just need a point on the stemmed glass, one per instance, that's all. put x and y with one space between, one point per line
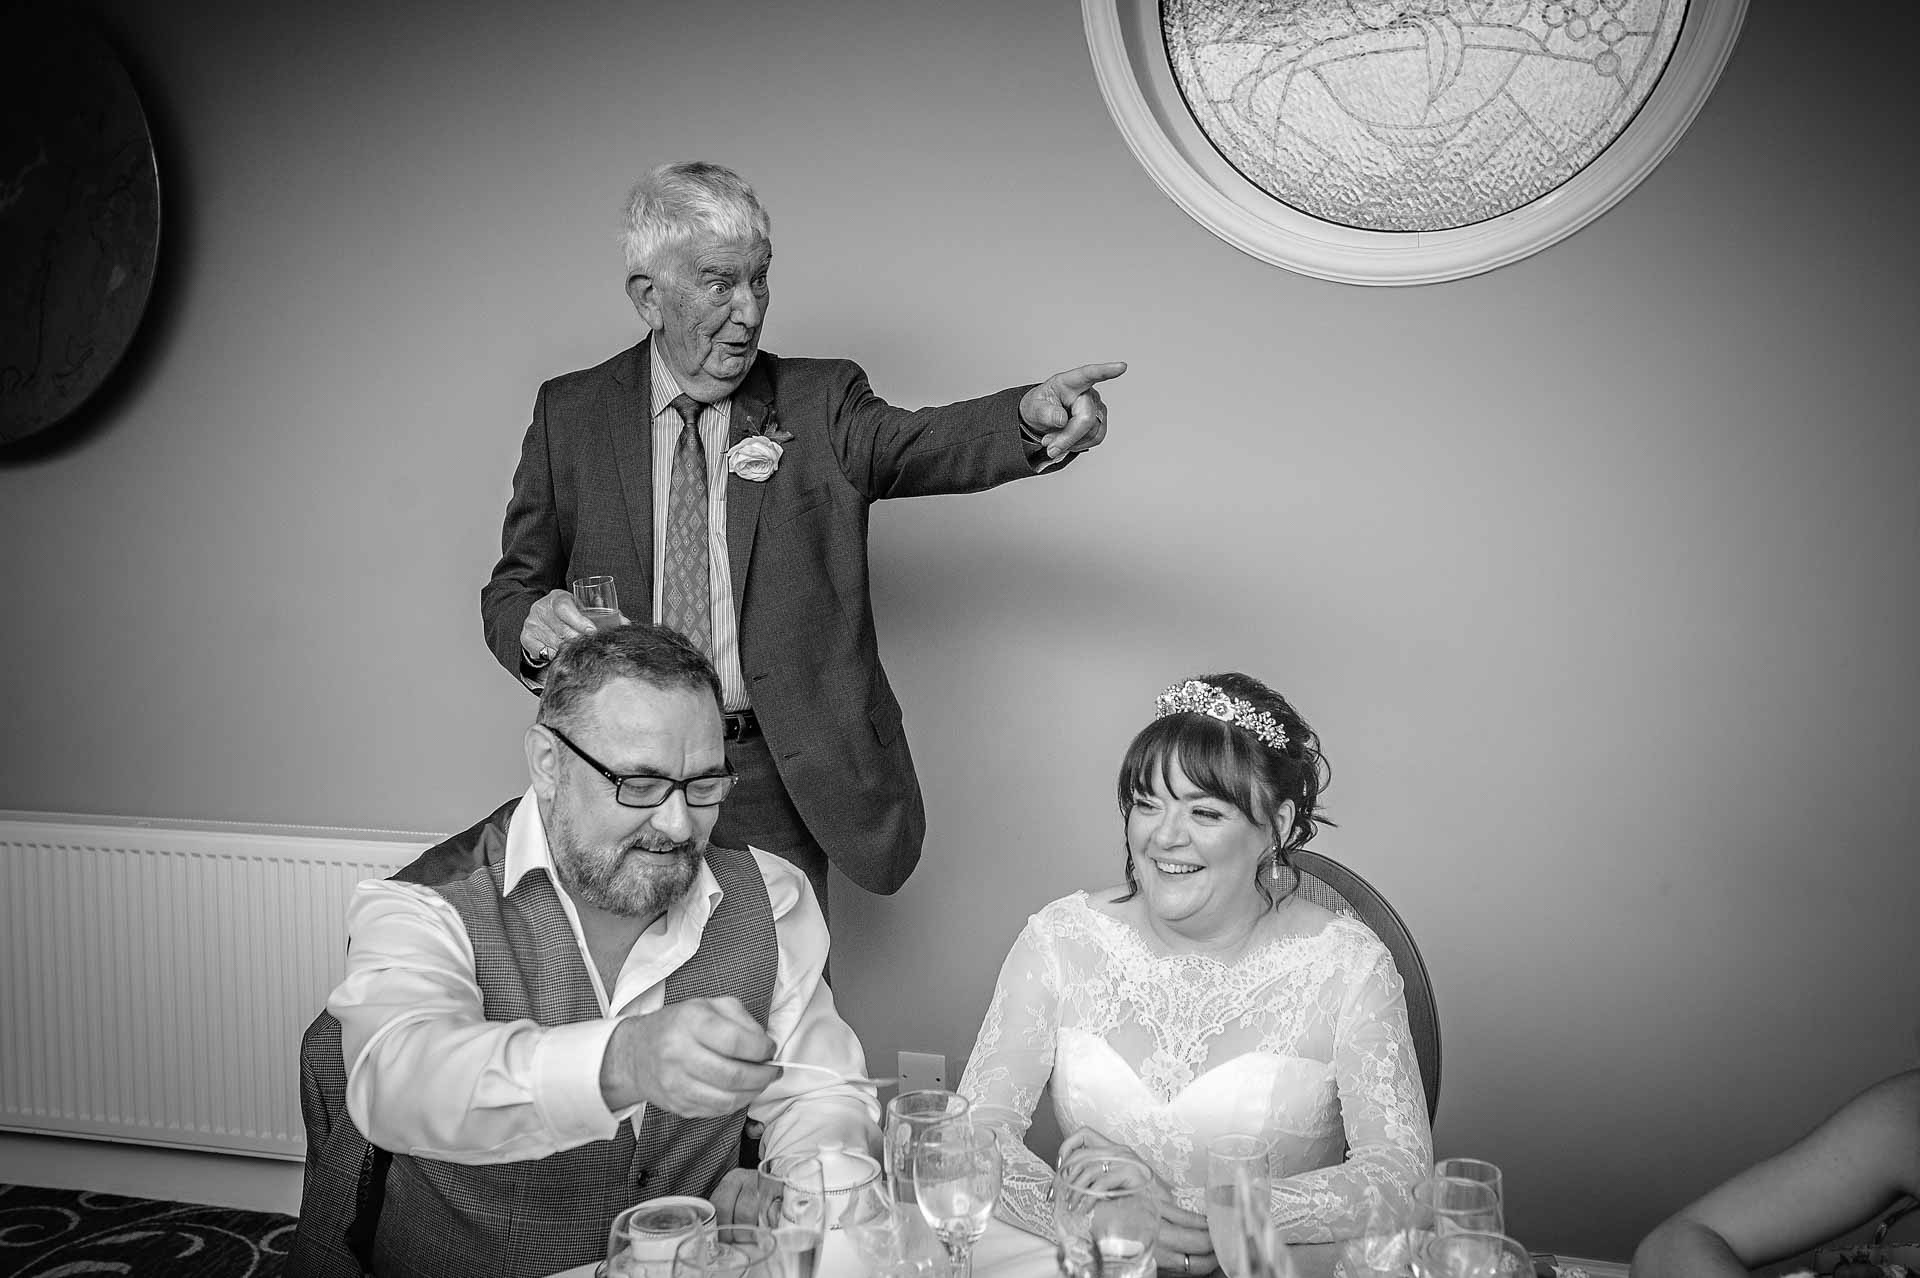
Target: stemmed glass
956 1176
1105 1220
1239 1194
730 1251
797 1211
1474 1254
908 1116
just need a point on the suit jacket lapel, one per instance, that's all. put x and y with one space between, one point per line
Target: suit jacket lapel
752 407
629 427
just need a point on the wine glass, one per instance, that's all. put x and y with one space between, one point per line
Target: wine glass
1105 1219
797 1211
644 1237
1445 1205
599 600
1239 1194
1475 1169
729 1251
908 1115
956 1177
1474 1254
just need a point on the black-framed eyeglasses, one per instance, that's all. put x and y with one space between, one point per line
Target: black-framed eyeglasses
644 790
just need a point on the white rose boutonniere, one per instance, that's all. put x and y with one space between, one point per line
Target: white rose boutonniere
757 456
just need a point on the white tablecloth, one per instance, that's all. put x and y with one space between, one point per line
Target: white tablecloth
1002 1252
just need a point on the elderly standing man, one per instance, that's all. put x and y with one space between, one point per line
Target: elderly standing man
726 491
578 1003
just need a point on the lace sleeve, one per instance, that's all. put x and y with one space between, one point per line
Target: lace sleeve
1012 1059
1389 1142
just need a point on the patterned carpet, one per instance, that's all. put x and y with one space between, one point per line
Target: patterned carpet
60 1233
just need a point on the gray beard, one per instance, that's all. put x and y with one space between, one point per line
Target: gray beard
610 879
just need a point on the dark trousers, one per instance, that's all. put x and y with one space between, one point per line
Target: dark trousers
759 813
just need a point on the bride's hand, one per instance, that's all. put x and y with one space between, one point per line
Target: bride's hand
1185 1248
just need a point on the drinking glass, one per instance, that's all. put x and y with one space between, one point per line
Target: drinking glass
729 1251
1383 1247
891 1239
908 1115
796 1212
1475 1169
644 1237
599 600
1105 1220
1445 1205
853 1182
1474 1254
1239 1195
956 1176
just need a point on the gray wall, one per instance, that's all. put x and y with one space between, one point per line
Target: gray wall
1596 573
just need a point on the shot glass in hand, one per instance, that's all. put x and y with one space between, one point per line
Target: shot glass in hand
599 600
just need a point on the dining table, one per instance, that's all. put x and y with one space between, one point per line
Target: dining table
1005 1252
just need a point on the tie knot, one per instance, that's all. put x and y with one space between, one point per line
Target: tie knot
688 407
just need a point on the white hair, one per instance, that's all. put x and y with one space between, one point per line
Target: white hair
674 202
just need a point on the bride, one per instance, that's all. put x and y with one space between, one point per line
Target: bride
1205 997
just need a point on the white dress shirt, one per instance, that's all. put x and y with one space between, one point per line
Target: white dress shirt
714 422
428 1074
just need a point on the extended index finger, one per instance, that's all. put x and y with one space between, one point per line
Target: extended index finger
1077 381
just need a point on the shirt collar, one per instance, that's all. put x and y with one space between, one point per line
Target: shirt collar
528 850
665 386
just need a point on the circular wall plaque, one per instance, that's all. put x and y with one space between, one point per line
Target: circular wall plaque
1404 141
79 221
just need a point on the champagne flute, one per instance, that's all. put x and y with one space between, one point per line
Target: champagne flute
797 1211
1105 1219
1239 1194
1474 1254
599 600
956 1177
908 1115
645 1237
730 1251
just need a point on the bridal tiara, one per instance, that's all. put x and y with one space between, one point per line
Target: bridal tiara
1197 697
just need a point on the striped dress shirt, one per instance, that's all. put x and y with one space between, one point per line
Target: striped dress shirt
667 425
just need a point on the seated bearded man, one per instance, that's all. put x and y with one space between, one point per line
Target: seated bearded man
589 1002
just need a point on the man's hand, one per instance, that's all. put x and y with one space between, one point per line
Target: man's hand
551 622
1065 411
698 1059
742 1198
1185 1246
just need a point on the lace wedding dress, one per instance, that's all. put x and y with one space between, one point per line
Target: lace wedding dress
1304 1041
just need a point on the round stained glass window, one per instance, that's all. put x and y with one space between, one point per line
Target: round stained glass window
1404 141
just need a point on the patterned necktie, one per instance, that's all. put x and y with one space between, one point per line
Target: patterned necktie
685 575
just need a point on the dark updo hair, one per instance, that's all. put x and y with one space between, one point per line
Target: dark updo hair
1235 766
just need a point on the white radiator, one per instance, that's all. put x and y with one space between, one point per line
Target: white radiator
157 974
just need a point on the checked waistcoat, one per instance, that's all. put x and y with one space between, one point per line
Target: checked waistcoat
538 1216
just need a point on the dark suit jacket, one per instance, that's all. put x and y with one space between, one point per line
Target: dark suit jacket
797 553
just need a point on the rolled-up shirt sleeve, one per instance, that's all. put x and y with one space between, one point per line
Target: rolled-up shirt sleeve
427 1073
803 1108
